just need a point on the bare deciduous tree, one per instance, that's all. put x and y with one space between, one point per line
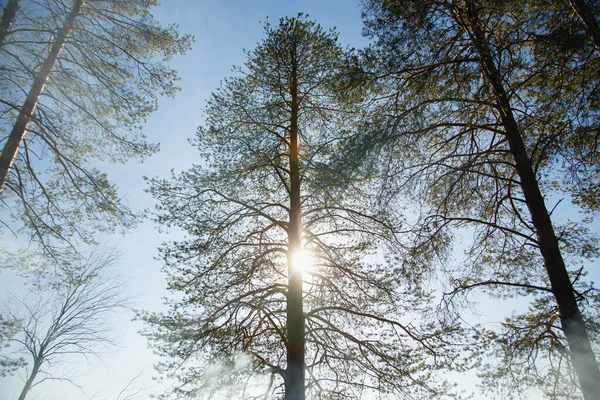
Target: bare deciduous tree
67 315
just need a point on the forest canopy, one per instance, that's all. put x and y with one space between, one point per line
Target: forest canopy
416 218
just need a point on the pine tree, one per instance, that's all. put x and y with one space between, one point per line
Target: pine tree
8 16
485 123
78 80
252 209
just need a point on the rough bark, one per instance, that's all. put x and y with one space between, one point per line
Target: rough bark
11 147
581 353
8 17
584 12
294 377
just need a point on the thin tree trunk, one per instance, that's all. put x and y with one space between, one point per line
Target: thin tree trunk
585 13
8 17
9 152
294 376
582 356
29 383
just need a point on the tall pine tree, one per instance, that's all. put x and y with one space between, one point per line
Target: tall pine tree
482 122
252 211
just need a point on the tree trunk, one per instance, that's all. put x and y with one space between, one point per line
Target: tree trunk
9 152
582 356
29 383
585 13
294 376
8 17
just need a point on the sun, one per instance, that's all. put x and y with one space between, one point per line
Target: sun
302 260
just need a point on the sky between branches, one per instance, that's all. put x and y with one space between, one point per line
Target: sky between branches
223 29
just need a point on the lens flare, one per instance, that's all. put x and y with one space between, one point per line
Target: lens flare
302 261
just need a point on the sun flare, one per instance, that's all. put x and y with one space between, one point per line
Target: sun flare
302 260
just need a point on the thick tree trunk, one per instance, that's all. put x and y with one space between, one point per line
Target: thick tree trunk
294 376
30 379
582 356
585 13
8 17
11 147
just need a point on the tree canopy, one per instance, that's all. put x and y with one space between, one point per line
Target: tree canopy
347 210
490 107
80 77
239 284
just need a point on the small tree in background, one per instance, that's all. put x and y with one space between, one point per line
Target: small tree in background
66 313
